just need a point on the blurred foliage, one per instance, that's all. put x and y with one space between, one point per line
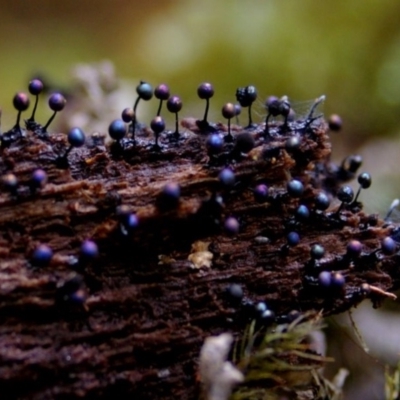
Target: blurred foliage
392 384
281 357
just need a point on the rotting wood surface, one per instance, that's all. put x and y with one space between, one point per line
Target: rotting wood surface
148 306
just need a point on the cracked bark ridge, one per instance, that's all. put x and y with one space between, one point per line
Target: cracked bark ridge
140 312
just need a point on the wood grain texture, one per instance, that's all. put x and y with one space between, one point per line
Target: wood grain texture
148 307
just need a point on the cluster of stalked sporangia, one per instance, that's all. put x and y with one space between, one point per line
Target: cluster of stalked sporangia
120 253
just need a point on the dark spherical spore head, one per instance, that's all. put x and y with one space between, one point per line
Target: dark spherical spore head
174 104
234 293
293 143
121 211
260 308
345 194
295 188
388 246
246 96
57 102
302 212
364 180
238 109
21 101
293 238
231 226
169 196
42 256
354 248
227 178
76 137
35 87
10 182
317 251
337 281
335 123
161 92
273 105
228 110
117 129
214 143
251 93
261 193
325 279
144 90
131 222
157 124
270 100
128 115
205 91
284 108
244 142
38 178
89 251
322 201
172 189
78 298
71 292
267 317
353 163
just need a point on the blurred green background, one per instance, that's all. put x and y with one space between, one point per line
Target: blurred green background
348 50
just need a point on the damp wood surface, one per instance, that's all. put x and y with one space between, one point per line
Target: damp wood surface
155 294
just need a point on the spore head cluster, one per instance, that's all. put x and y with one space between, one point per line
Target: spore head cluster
266 192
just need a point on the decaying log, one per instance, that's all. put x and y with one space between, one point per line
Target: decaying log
133 320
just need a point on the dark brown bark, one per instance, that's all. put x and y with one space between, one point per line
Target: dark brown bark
148 306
